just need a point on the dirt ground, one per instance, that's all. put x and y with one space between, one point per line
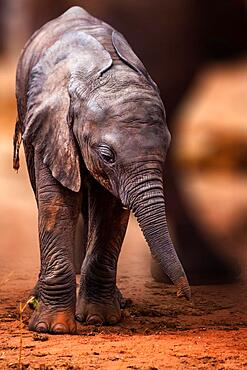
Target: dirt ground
158 330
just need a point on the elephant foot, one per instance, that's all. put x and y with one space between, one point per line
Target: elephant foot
95 313
47 320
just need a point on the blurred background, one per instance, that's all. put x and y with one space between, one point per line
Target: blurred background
196 51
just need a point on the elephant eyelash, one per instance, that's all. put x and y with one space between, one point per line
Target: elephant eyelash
106 154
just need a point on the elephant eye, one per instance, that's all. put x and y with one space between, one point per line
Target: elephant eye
106 153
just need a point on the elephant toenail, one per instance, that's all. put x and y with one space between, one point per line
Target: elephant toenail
42 327
79 317
59 329
94 320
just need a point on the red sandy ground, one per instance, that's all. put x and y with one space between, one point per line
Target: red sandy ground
158 330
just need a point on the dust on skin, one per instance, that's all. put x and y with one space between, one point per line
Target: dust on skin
51 213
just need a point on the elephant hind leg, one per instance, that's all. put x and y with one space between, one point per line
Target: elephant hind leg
81 234
124 302
80 246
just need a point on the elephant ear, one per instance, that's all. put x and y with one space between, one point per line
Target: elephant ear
126 53
78 57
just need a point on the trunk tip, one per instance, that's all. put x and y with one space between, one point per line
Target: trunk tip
183 288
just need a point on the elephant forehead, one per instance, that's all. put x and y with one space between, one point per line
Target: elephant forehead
140 126
122 94
126 112
95 112
143 138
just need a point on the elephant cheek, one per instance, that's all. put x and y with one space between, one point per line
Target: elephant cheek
98 172
104 181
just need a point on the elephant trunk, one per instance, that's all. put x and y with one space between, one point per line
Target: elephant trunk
146 200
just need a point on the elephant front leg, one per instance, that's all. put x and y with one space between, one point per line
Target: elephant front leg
99 299
58 212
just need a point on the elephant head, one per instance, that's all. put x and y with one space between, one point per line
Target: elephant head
97 104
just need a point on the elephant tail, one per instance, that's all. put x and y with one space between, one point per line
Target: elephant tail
17 139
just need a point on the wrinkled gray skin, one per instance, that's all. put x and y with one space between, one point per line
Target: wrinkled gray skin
95 139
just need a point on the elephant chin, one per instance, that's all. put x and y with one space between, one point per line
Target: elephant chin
146 201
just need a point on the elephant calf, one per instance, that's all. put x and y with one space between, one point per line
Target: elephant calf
95 139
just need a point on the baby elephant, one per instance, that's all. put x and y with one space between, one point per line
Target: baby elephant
95 139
